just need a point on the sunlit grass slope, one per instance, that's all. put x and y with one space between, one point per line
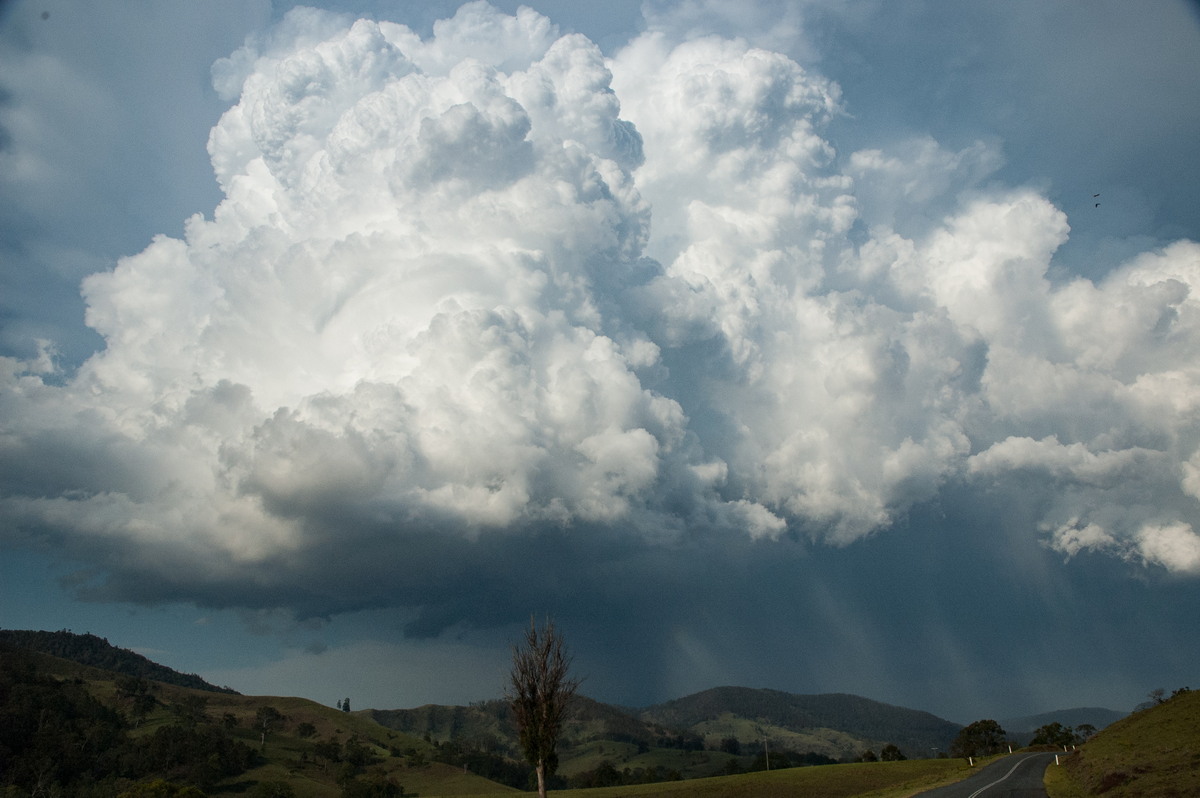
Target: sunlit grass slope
1151 753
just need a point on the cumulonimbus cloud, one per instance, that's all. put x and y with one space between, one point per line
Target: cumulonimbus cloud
489 282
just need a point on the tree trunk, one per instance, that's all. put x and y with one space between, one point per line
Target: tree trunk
541 777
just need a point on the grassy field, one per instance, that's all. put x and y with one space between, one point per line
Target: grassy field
863 780
691 764
1154 752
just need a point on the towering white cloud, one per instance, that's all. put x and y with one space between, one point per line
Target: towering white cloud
470 287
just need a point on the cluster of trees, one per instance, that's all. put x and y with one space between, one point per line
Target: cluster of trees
776 760
1062 736
200 755
352 763
606 775
889 753
986 737
484 757
682 741
56 737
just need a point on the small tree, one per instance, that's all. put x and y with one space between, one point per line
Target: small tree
981 738
541 687
191 710
329 750
136 692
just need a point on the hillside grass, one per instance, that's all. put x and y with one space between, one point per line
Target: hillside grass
830 742
1153 752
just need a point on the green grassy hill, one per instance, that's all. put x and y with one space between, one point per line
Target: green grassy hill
1153 752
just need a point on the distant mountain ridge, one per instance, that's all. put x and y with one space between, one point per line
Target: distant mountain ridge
872 722
1096 716
97 652
1021 730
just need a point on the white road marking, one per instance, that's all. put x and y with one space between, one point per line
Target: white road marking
1002 778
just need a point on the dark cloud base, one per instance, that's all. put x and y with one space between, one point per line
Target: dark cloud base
956 610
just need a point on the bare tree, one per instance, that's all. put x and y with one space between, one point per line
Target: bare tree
267 718
541 687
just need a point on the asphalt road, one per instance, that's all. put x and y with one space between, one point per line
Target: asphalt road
1017 776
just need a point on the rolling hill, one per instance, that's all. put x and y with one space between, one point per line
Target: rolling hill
68 728
697 735
835 724
1153 752
88 649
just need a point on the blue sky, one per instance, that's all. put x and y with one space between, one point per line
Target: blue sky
820 346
